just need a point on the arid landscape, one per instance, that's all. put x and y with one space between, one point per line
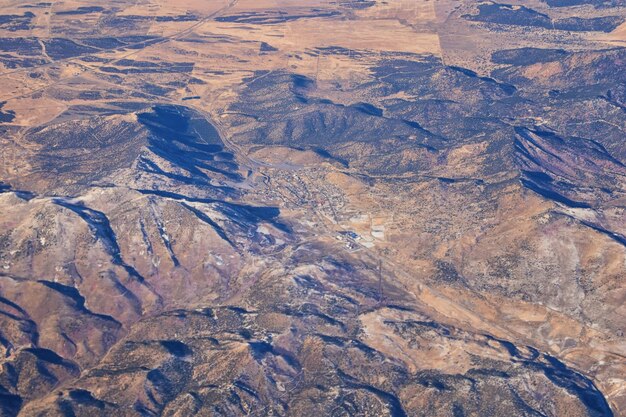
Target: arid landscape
313 208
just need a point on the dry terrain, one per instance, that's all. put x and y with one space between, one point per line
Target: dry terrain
313 207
